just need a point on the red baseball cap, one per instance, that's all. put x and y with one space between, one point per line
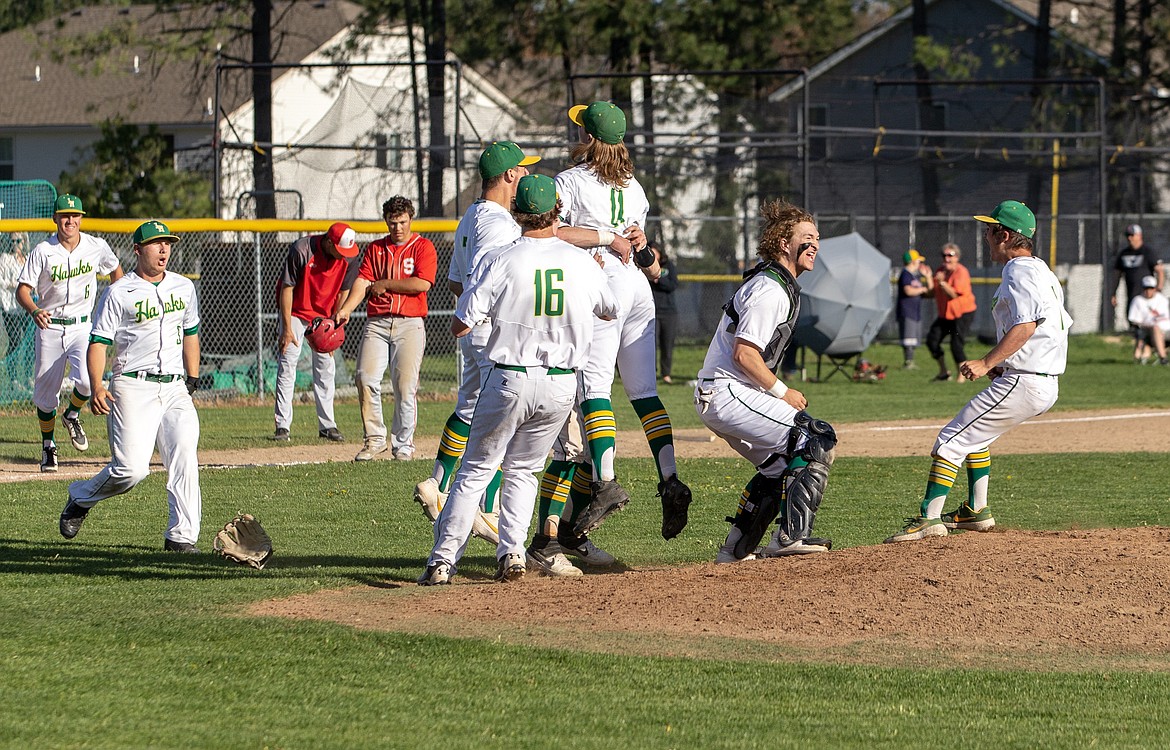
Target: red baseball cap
344 239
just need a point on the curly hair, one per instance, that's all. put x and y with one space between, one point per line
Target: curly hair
396 206
780 219
611 162
530 222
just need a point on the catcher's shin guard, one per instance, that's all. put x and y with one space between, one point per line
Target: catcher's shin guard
756 513
804 486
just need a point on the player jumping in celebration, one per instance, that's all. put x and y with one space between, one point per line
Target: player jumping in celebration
741 400
63 271
484 231
1032 328
600 192
151 317
541 296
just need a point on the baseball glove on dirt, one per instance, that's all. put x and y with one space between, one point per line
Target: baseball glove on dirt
243 540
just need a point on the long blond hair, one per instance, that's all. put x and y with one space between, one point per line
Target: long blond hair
780 219
611 162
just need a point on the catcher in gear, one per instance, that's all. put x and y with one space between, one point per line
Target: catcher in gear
243 540
740 399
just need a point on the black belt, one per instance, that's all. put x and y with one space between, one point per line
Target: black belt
152 377
69 321
550 370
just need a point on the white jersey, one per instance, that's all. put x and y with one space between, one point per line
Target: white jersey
484 226
146 323
588 202
542 295
1151 312
66 282
1031 293
762 312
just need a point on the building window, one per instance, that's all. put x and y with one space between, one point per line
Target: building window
7 165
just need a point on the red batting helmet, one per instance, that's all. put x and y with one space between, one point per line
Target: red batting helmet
324 335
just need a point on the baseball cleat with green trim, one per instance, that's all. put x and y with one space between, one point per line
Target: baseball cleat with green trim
919 528
967 519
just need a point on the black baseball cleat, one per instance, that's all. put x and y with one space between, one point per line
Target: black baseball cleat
170 545
608 498
333 434
676 499
49 458
72 518
280 435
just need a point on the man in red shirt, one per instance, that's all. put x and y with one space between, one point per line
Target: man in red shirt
396 273
316 279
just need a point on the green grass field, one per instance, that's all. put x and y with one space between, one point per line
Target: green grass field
107 642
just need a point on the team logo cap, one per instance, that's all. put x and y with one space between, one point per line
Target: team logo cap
502 156
344 239
604 121
1012 215
68 204
536 194
152 231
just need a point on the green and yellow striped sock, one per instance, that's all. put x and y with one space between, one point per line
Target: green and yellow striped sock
580 493
659 434
938 486
554 493
600 435
48 420
76 403
978 477
451 447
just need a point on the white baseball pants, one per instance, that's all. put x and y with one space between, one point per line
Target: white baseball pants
476 366
55 347
399 343
324 372
1011 399
754 423
515 424
145 414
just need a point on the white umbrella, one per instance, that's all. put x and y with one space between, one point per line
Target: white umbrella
845 298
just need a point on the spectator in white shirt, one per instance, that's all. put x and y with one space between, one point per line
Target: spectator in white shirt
1150 312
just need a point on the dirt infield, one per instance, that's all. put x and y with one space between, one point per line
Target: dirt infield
1079 600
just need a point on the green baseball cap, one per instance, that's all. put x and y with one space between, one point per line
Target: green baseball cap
604 121
502 156
536 194
151 231
68 204
1014 216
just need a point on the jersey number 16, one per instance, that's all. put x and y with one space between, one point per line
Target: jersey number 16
550 298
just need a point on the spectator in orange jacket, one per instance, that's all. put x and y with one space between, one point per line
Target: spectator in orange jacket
956 311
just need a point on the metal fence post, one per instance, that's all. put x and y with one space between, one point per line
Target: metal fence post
259 318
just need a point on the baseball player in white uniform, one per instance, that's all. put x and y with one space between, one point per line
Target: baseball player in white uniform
487 224
486 229
601 193
740 399
63 271
1032 329
151 317
542 296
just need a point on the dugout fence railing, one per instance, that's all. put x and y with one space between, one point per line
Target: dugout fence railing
235 264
